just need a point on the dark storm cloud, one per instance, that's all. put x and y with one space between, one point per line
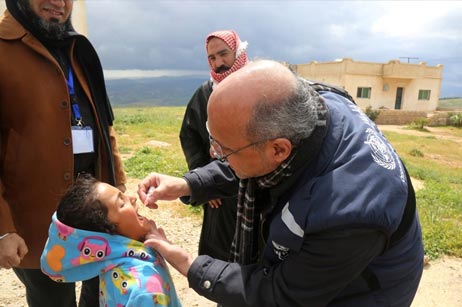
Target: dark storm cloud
170 34
151 35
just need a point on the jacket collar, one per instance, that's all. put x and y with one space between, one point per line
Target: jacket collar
11 29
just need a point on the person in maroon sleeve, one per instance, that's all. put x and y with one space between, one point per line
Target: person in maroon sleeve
326 209
226 53
55 123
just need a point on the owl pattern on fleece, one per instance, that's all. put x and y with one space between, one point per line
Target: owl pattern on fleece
131 274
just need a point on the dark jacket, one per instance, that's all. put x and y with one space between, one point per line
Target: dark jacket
219 223
36 156
328 230
194 137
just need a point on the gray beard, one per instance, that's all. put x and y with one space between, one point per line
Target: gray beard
51 29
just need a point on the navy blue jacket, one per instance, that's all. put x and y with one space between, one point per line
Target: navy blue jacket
218 224
328 229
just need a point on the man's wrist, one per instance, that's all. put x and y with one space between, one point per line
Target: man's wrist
4 235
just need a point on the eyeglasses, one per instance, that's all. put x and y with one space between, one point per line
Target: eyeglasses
217 149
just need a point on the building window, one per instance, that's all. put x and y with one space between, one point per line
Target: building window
363 92
424 94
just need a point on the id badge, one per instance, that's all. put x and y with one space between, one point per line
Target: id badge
82 139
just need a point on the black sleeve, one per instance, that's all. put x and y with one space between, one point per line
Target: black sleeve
315 276
214 180
194 137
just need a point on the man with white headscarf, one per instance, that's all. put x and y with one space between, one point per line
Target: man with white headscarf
226 53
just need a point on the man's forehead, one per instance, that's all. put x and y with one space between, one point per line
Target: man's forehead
217 41
214 38
218 48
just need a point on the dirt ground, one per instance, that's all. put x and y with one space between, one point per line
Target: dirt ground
441 284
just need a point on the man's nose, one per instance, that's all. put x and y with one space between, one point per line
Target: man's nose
60 3
219 62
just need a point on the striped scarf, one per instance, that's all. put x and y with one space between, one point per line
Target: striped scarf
243 248
233 41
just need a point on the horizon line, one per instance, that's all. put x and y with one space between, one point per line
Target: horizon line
114 74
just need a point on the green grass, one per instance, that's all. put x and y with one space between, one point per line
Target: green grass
137 128
437 162
439 203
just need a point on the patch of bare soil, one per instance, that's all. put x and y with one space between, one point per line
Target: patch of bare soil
432 131
441 284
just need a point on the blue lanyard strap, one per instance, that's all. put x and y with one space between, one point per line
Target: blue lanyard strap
76 110
75 106
70 81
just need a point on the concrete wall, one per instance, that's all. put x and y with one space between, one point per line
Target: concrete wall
383 79
399 117
79 19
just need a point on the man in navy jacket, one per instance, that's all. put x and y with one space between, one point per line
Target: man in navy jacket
326 210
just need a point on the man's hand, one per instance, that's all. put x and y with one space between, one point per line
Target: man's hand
175 255
12 251
215 203
161 187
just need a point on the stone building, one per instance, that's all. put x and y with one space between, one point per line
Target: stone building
394 85
78 15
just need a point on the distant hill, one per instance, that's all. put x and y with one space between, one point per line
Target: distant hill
176 91
161 91
450 103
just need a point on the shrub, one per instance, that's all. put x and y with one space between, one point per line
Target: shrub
372 114
456 120
419 124
416 153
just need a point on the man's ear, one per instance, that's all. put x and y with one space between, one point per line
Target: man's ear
281 149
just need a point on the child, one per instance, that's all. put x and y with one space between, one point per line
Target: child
98 231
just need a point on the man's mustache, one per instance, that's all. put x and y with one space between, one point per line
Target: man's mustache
221 69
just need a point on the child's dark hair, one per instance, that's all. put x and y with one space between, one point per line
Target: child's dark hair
80 209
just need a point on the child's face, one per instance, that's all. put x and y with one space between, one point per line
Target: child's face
123 211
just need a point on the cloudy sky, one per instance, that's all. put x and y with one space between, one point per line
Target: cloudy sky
165 36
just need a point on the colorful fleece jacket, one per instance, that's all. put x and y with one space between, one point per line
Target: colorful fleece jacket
131 274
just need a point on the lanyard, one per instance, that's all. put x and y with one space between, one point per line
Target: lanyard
75 106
